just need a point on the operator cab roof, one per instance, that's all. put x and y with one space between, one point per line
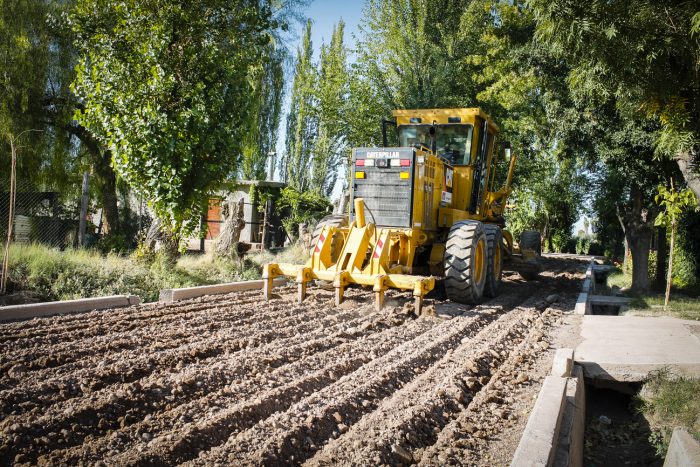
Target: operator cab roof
444 116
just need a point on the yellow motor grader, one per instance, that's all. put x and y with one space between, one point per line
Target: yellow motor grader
434 212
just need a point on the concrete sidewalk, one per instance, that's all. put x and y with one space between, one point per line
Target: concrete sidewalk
628 348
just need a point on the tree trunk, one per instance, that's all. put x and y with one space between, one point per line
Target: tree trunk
669 279
104 171
102 162
637 224
639 242
688 165
661 254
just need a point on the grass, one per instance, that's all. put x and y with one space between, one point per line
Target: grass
49 274
683 303
668 402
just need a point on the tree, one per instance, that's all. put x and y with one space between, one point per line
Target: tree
673 202
642 53
411 52
260 138
301 120
166 89
331 91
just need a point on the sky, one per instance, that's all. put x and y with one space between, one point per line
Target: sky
324 15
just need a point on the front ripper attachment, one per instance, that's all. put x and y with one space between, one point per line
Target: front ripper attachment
369 256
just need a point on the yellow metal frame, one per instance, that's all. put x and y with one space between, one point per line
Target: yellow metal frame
370 256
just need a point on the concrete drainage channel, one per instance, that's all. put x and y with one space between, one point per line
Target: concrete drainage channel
590 303
569 412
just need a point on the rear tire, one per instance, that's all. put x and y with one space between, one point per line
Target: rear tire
531 240
494 270
466 258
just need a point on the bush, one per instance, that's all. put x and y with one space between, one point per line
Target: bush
686 267
301 207
668 402
54 275
583 245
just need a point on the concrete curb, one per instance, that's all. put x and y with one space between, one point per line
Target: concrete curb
82 305
174 295
683 450
563 363
538 444
569 451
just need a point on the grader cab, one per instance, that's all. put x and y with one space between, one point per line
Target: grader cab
425 209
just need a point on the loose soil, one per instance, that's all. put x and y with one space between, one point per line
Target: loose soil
232 379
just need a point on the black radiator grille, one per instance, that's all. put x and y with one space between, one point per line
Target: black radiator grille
387 196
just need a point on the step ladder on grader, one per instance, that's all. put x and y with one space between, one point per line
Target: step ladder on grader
434 211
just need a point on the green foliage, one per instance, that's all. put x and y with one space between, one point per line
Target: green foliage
301 207
329 146
56 275
63 275
113 243
260 138
411 52
674 203
583 244
295 164
668 402
548 199
642 54
686 270
166 88
316 123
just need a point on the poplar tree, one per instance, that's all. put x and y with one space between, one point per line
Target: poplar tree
295 165
332 93
267 94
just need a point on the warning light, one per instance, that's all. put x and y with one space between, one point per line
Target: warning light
404 175
360 162
359 175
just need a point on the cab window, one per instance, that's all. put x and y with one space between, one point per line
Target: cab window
453 142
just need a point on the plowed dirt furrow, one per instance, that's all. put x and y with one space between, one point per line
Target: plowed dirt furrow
218 426
120 318
115 327
379 337
292 435
410 419
50 387
151 338
235 380
104 407
466 438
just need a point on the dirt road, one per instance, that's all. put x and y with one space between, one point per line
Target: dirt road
232 379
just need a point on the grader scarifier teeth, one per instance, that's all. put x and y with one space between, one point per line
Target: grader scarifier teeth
367 256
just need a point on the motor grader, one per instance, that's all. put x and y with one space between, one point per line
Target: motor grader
434 213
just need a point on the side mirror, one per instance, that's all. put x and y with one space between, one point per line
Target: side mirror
506 150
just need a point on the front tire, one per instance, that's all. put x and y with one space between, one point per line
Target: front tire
466 258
